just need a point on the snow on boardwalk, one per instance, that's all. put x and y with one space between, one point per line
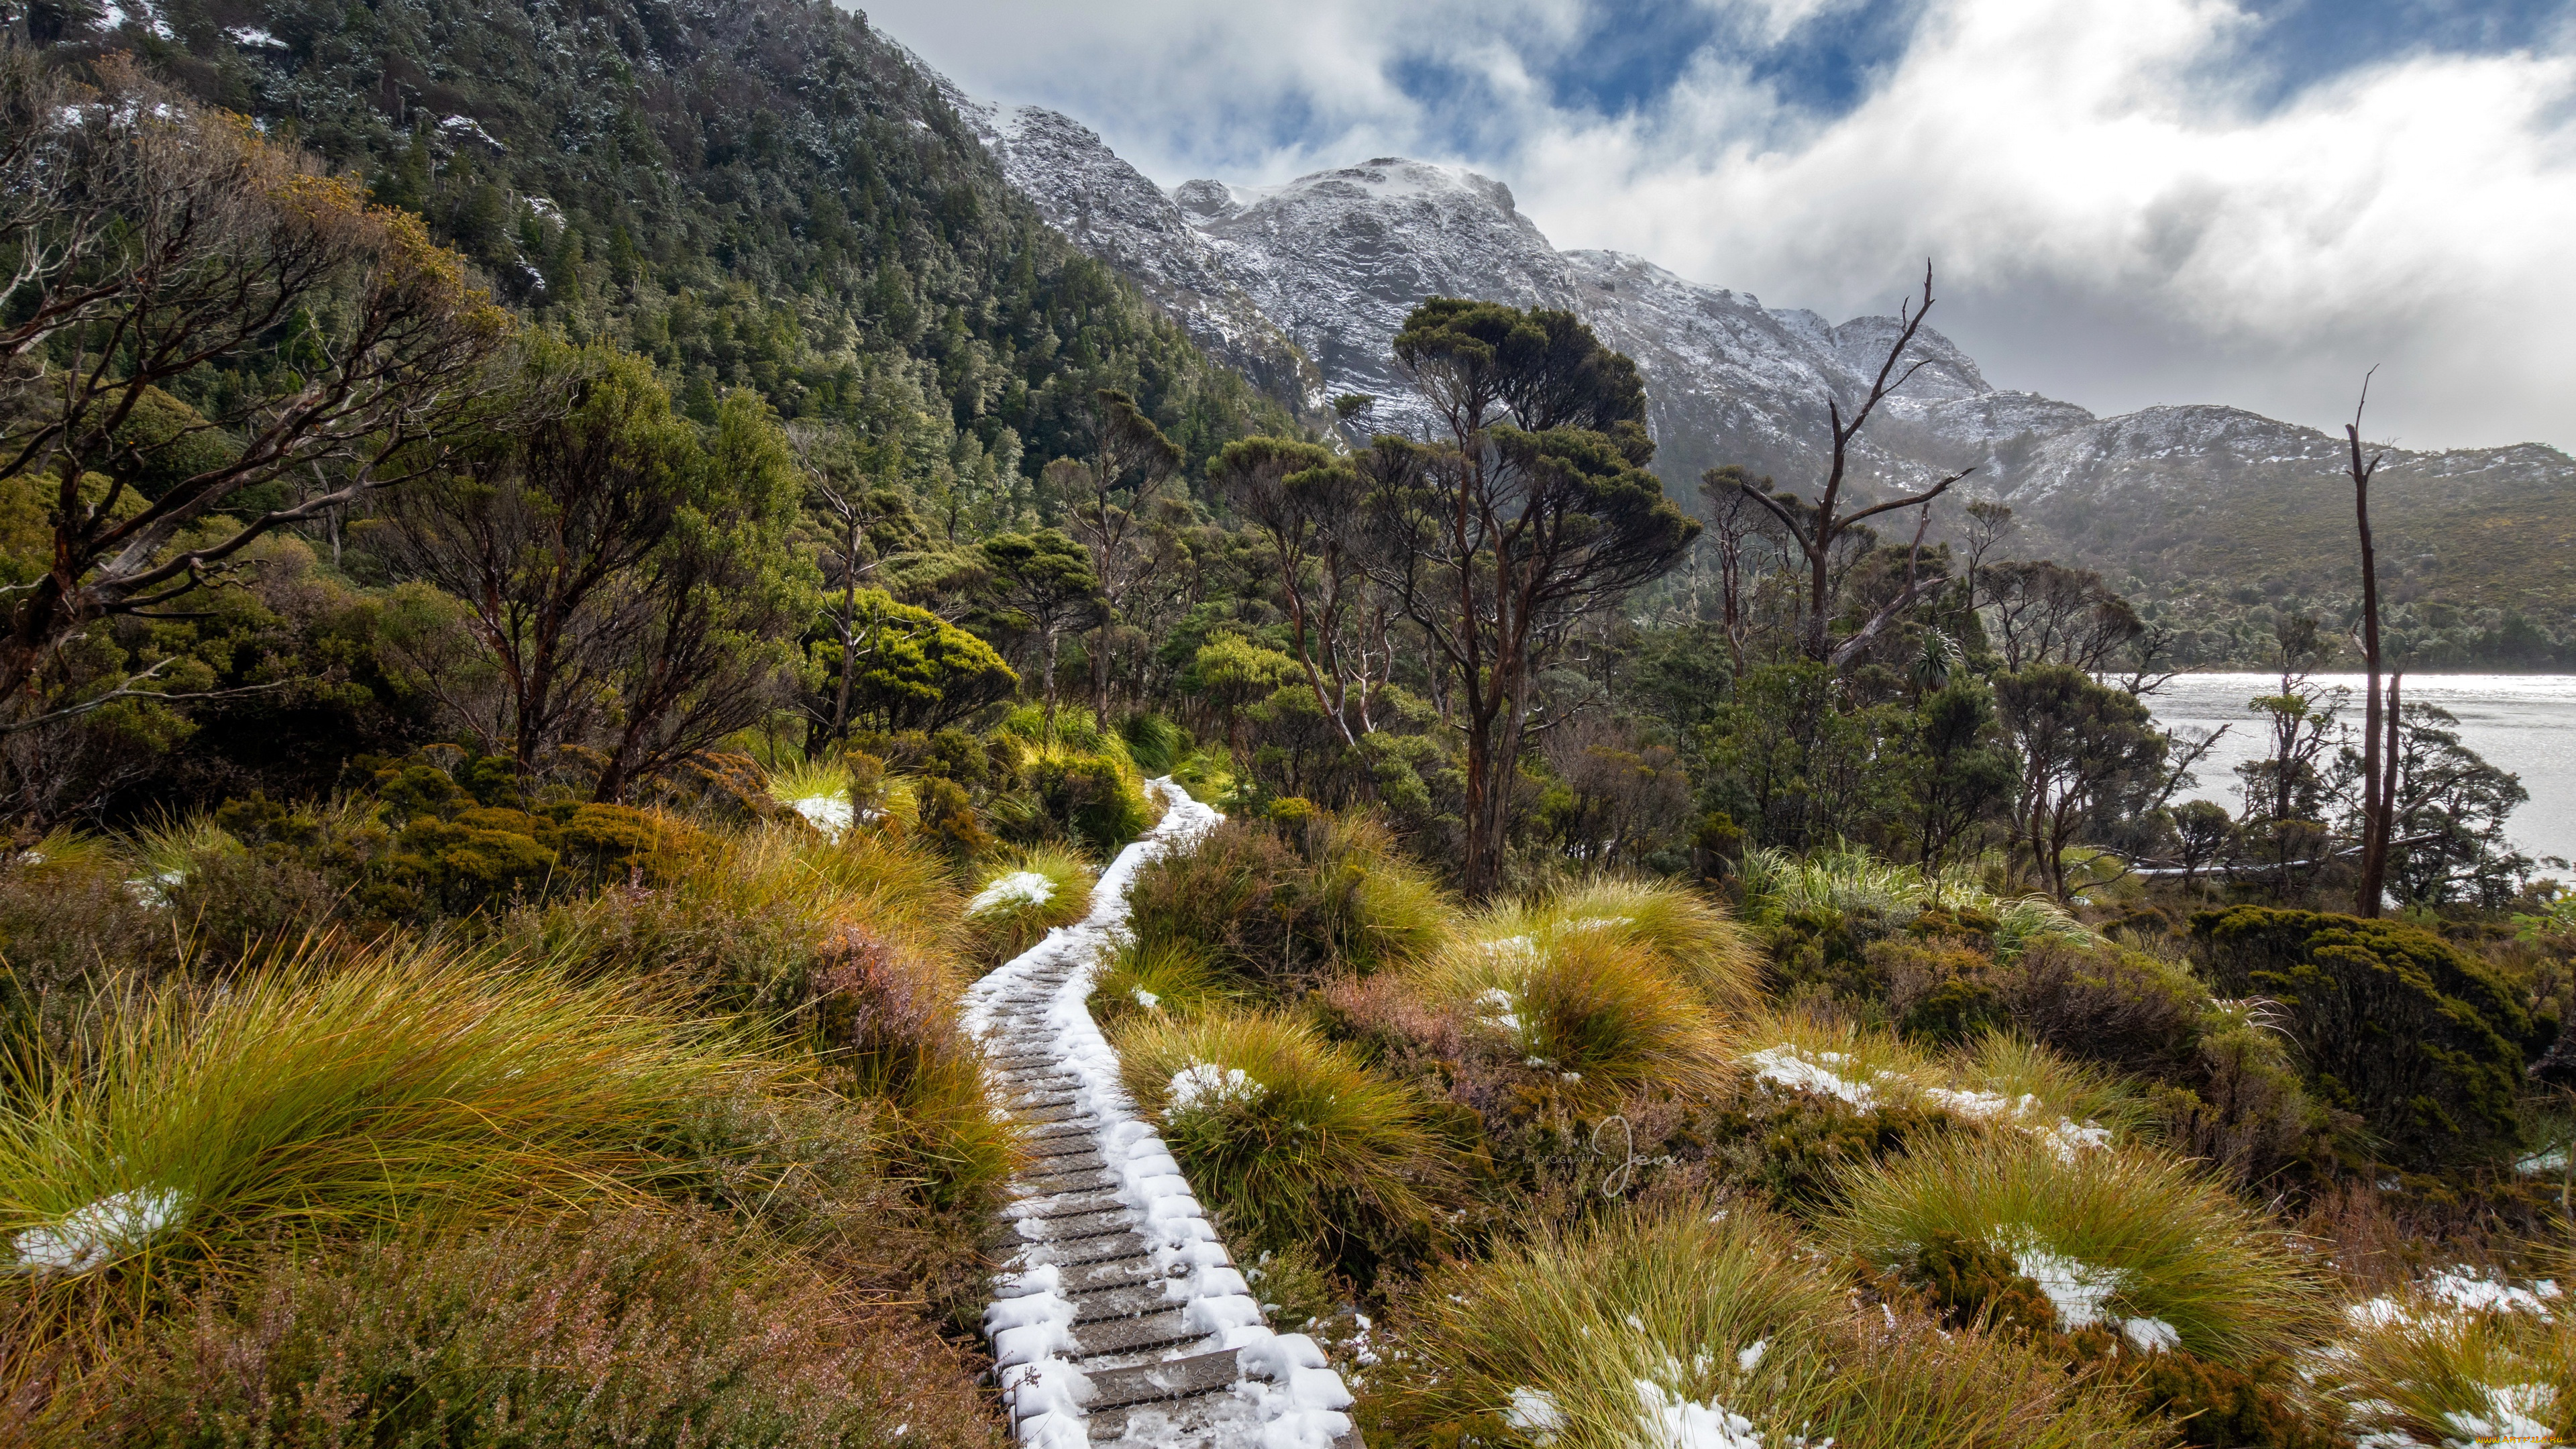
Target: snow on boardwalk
1116 1316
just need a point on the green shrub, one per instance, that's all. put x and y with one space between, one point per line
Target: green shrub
1095 798
2125 1009
2120 1237
1977 1285
2394 1023
1289 1138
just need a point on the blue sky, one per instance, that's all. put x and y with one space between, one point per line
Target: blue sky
2135 201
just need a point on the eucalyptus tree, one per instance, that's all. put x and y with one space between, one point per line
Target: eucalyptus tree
1531 510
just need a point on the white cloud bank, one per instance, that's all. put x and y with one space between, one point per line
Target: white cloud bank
2117 218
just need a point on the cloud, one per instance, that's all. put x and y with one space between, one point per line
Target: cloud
2125 205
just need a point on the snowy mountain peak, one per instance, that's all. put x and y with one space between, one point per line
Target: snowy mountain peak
1304 286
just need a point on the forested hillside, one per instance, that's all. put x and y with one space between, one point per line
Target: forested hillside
757 194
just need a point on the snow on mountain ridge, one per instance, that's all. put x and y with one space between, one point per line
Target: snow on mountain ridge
1311 280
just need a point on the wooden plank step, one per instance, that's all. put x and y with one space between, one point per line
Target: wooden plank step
1178 1378
1050 1183
1105 1275
1062 1144
1071 1251
1065 1204
1131 1300
1078 1225
1135 1334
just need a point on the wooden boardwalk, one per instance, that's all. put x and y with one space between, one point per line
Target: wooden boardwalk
1117 1317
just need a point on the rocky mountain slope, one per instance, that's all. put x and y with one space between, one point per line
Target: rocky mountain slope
2171 502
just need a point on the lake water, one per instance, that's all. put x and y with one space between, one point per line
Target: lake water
2524 723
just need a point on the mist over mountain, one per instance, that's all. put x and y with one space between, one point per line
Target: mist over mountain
2210 511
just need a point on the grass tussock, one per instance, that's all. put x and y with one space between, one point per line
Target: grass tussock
1158 979
1856 885
2113 1236
195 1125
1604 1013
1684 1324
1289 1138
1688 933
2438 1373
1024 895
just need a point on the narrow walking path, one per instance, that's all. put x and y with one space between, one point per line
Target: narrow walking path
1117 1317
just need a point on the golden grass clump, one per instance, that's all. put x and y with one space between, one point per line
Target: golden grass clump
1157 978
1024 895
2121 1237
1690 934
1380 908
1290 1138
310 1095
2437 1372
1684 1323
1601 1011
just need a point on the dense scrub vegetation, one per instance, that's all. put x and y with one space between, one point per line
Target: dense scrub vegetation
495 851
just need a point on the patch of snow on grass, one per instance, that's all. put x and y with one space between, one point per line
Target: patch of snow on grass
2065 1137
2463 1289
2078 1291
1534 1412
831 814
1146 999
2515 1413
1020 890
1498 1007
1791 1068
2152 1335
87 1238
254 36
1205 1086
1673 1422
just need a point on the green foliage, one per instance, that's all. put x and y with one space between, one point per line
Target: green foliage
912 670
2393 1022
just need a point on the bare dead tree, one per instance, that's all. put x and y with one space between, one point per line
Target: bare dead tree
1733 521
2378 776
1989 524
851 508
1819 524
